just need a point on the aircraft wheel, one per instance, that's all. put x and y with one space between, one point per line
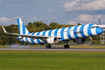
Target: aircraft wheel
48 46
66 46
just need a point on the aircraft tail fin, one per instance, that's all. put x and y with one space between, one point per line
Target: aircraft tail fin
22 28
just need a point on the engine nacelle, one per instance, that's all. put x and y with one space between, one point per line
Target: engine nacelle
80 40
52 40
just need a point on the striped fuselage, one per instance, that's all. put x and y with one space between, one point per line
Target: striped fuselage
67 33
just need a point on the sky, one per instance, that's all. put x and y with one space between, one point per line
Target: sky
61 11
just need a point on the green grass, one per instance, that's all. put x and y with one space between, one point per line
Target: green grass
4 46
51 60
44 46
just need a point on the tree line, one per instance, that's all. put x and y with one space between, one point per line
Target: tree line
32 27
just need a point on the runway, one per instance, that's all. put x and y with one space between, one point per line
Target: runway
54 49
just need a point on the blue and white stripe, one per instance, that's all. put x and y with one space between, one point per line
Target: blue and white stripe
22 28
79 30
67 33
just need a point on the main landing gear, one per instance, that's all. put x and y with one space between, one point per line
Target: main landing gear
65 46
48 46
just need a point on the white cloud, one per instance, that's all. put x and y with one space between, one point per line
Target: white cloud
0 1
51 11
34 18
77 0
85 18
8 21
86 1
88 5
71 23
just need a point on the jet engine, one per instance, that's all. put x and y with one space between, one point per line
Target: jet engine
80 40
52 40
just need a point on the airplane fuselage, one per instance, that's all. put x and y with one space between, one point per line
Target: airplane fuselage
67 33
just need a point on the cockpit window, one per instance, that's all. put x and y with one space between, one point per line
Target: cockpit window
95 27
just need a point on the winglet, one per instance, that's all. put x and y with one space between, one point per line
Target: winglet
4 30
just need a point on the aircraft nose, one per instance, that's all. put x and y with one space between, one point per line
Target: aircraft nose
99 31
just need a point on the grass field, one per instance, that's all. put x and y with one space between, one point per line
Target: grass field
35 46
51 60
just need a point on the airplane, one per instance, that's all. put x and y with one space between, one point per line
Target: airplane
75 33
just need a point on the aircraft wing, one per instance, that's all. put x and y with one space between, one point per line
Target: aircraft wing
31 36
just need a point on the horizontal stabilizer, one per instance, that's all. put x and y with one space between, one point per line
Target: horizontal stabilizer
4 29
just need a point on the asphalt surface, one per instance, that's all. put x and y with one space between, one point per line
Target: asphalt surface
53 49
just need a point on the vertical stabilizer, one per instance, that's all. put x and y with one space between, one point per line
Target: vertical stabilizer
22 28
